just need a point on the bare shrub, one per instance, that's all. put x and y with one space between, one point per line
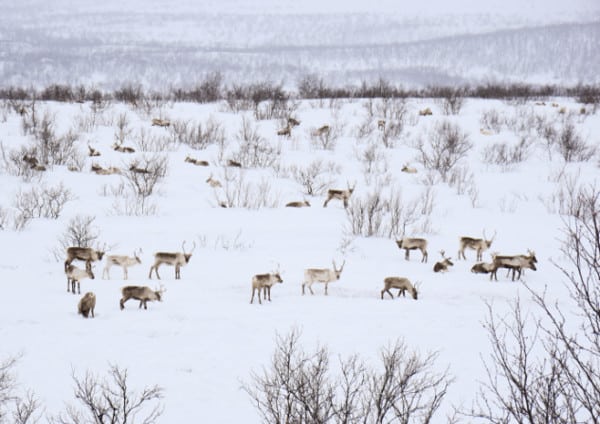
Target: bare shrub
450 99
255 150
300 387
373 161
506 155
148 142
14 163
123 130
447 145
21 409
571 146
199 136
40 202
491 120
3 218
315 178
111 401
51 149
240 193
80 232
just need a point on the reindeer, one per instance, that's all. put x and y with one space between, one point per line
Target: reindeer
134 168
141 293
342 195
443 265
75 275
302 204
322 130
121 260
160 122
197 162
381 125
408 169
515 263
264 282
480 245
402 284
321 275
33 163
409 244
425 112
177 259
233 163
287 131
86 254
105 171
92 152
482 268
214 183
292 122
123 149
87 304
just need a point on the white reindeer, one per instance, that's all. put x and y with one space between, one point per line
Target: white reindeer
123 261
75 275
177 259
343 195
321 275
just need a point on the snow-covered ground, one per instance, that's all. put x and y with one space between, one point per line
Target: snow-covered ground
204 339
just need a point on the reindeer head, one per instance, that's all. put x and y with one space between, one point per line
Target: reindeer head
159 292
531 254
136 256
338 272
187 256
415 290
487 242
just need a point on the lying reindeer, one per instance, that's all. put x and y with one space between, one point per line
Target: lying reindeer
264 282
402 284
443 265
141 293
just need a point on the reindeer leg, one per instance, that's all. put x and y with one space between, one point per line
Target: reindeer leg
122 303
252 298
406 254
125 272
326 284
177 272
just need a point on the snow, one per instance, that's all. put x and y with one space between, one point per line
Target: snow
205 338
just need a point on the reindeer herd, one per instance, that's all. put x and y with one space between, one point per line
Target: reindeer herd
262 283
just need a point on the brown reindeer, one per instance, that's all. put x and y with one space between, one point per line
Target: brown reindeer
196 162
87 304
409 244
343 195
177 259
264 282
86 254
479 245
443 265
141 293
402 284
298 204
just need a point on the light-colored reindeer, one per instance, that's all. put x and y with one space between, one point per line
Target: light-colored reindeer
123 261
105 171
264 282
87 304
443 265
409 244
515 263
92 151
118 147
160 122
141 293
86 254
177 259
298 204
322 131
321 275
408 169
287 131
402 284
343 195
214 183
480 245
75 275
196 162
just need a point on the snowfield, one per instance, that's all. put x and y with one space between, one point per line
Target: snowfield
203 340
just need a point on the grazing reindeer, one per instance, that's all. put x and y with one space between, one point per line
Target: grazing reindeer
197 162
121 260
480 245
213 182
482 268
105 171
302 204
123 149
264 282
409 244
141 293
381 125
177 259
425 112
86 254
287 131
87 304
443 265
160 122
402 284
92 151
75 275
321 275
408 169
342 195
293 122
515 263
233 163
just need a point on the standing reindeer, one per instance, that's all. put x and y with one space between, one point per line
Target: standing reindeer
75 275
480 245
86 254
514 263
343 195
121 260
177 259
264 282
87 304
141 293
443 265
409 244
402 284
321 275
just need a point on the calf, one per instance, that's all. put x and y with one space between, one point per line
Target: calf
75 275
87 304
264 282
141 293
400 283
